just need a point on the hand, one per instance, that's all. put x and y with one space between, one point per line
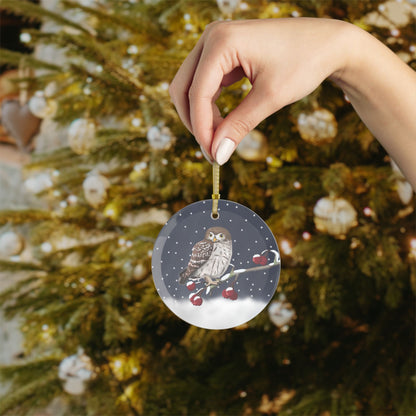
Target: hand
284 59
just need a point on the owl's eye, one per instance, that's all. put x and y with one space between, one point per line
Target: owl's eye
211 235
221 236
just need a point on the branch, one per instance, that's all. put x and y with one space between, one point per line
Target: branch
233 273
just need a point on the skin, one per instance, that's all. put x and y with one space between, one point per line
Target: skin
285 60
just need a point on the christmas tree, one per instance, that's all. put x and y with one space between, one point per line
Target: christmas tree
338 337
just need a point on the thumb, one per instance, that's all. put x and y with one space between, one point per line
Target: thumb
244 118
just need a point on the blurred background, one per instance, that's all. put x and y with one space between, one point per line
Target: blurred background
94 160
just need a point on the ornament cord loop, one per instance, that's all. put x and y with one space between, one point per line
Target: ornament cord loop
215 189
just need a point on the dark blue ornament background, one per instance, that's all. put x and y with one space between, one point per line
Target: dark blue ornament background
250 236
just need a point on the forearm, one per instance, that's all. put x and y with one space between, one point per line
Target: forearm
382 89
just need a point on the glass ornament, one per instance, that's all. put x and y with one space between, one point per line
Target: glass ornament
216 273
253 147
318 127
95 188
81 135
335 216
75 371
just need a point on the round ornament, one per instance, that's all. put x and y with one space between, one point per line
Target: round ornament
95 189
318 127
216 272
228 7
81 135
253 147
281 313
38 183
334 216
159 137
76 370
11 244
42 107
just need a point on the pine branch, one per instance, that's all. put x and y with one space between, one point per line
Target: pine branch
16 58
24 216
136 23
44 385
14 266
102 54
33 11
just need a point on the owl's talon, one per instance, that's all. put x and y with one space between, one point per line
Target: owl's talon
210 282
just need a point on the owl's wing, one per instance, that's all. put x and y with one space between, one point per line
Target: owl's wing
201 252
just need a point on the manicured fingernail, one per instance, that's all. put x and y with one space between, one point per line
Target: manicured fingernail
207 156
225 150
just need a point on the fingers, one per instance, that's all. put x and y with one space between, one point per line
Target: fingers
205 89
252 110
179 87
211 65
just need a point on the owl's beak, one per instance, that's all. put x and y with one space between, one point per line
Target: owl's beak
214 239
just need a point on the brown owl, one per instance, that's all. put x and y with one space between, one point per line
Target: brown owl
210 257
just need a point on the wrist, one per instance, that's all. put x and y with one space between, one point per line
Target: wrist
349 44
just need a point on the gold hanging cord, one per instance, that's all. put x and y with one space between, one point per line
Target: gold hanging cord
215 189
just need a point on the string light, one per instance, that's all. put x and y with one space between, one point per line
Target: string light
368 211
136 122
306 236
25 37
72 199
46 247
132 50
413 247
297 185
286 247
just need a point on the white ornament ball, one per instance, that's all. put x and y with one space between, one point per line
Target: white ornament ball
38 183
42 107
253 147
159 138
334 216
81 135
46 247
139 271
76 370
281 313
318 127
228 7
95 188
11 244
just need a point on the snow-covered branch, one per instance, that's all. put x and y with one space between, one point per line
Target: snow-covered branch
229 292
259 259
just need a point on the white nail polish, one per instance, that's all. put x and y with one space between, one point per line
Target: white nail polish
207 156
225 150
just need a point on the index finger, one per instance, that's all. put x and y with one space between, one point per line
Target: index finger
179 87
203 92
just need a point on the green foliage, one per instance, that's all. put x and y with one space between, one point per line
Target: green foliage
350 350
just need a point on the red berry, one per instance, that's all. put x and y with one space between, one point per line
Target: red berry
259 259
225 294
197 301
190 285
233 295
229 290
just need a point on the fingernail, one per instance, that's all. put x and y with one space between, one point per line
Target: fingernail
225 150
207 156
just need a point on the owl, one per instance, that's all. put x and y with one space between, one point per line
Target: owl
210 257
